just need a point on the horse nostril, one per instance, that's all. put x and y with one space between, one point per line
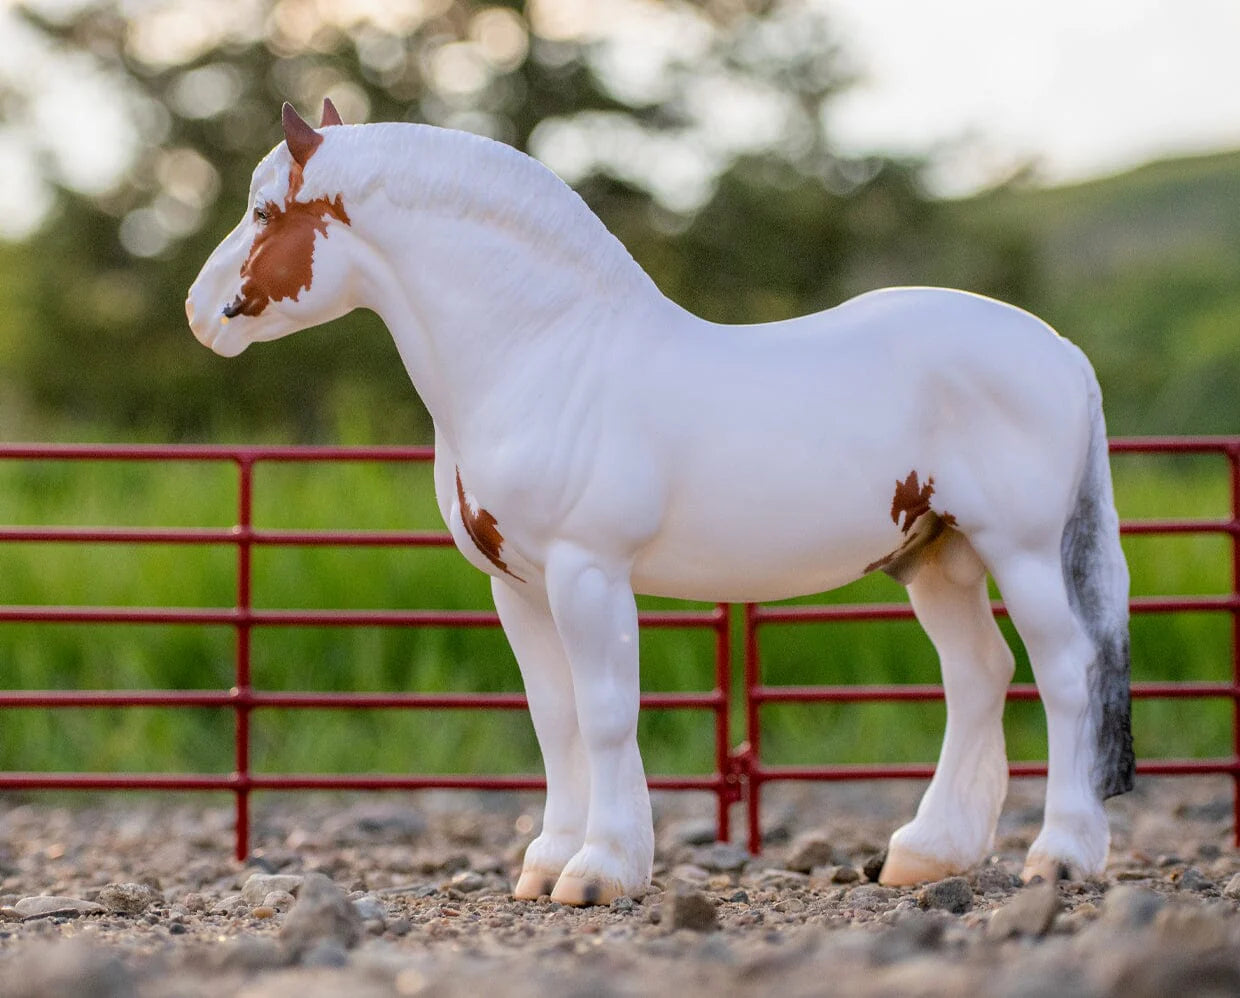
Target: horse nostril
232 310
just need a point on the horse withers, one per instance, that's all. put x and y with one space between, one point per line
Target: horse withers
593 440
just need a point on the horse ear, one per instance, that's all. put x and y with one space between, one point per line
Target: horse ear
330 115
300 138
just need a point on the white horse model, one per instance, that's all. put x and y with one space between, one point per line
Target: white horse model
594 440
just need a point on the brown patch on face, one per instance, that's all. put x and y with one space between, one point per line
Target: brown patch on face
912 500
280 264
483 530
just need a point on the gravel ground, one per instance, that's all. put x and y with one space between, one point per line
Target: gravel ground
393 895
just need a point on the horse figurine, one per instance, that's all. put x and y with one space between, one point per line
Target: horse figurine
594 440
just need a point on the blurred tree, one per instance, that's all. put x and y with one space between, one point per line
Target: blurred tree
700 138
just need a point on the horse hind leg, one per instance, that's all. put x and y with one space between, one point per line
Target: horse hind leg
955 823
1074 838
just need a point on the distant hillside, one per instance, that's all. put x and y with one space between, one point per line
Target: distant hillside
1142 270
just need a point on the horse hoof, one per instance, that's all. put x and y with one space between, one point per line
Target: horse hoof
580 892
1049 869
533 884
904 868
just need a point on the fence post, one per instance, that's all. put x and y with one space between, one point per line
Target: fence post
748 753
242 689
1233 458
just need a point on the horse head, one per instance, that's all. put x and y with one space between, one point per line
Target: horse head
282 268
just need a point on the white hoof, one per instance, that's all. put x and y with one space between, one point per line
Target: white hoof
904 867
598 875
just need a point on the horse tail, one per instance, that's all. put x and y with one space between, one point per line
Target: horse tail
1096 576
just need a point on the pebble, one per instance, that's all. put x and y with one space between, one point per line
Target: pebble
280 900
1232 890
34 907
323 913
259 885
1129 907
1193 879
468 882
1029 913
808 852
691 832
690 872
687 908
953 895
264 911
873 866
128 899
370 908
721 857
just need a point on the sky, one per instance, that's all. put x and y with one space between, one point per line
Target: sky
1079 87
1074 88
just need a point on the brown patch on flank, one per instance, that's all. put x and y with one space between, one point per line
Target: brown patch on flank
281 260
902 563
912 500
483 530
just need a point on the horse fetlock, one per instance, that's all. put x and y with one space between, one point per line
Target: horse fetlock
1069 847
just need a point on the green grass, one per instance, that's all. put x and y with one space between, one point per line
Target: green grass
1189 646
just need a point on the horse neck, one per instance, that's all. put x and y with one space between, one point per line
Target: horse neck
483 308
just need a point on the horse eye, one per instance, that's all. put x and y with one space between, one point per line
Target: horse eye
261 215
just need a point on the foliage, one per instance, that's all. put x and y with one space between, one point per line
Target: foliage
115 351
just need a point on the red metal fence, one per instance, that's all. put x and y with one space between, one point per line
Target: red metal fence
739 773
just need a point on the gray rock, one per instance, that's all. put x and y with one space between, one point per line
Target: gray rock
1193 879
376 822
953 894
66 968
870 897
370 908
994 878
873 866
128 899
808 852
1128 907
325 953
913 933
1232 890
35 907
1029 913
691 832
1193 928
721 857
686 908
279 900
1163 972
260 885
323 912
467 881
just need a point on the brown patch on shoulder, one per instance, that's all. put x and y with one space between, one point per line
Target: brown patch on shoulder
280 264
483 530
911 499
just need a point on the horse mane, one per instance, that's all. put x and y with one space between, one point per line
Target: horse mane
424 167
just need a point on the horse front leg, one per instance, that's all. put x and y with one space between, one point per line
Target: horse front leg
595 613
548 682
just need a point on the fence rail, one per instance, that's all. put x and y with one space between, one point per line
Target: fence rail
739 773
